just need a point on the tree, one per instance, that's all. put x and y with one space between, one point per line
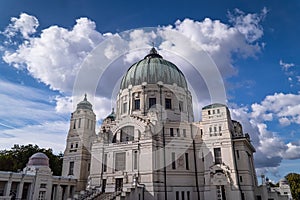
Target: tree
294 182
17 157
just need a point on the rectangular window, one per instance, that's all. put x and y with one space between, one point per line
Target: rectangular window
137 104
76 145
79 123
241 179
215 129
218 111
180 106
71 145
42 195
213 111
173 161
220 128
74 125
188 195
88 124
120 161
238 154
71 168
184 132
208 112
218 156
177 195
178 132
152 102
124 108
135 160
187 166
182 195
43 185
168 103
210 129
105 163
171 132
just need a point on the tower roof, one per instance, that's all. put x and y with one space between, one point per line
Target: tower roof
85 104
152 69
112 115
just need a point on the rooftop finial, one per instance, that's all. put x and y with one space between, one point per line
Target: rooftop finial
153 53
85 99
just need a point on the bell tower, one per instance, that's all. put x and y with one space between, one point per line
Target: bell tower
77 155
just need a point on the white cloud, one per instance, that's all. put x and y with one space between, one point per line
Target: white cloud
248 24
46 135
271 146
54 57
286 66
25 24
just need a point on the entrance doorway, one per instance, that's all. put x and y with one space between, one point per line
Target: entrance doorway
119 184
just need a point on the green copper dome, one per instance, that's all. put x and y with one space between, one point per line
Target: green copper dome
85 104
152 69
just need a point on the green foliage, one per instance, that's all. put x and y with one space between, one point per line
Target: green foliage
17 157
294 182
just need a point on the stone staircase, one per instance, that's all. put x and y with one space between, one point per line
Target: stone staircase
98 195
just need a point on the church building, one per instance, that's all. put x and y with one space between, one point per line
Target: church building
151 148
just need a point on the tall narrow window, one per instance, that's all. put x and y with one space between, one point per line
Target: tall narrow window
215 129
220 128
74 125
187 166
218 111
173 161
238 154
135 160
218 156
178 132
177 195
88 124
120 161
182 195
210 129
168 103
137 104
188 195
208 112
124 107
180 106
213 112
184 132
71 168
171 132
152 102
105 163
79 123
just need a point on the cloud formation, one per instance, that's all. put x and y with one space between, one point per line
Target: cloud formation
271 147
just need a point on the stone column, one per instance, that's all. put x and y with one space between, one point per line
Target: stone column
8 186
58 192
20 189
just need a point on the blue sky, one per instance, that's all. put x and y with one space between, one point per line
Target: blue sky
254 45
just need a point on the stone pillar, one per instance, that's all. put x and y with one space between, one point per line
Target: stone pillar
8 186
20 189
68 191
58 192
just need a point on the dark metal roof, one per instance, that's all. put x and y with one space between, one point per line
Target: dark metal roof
152 69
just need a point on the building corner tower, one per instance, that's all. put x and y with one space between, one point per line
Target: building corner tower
77 155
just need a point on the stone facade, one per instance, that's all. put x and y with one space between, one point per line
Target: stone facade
36 182
151 148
